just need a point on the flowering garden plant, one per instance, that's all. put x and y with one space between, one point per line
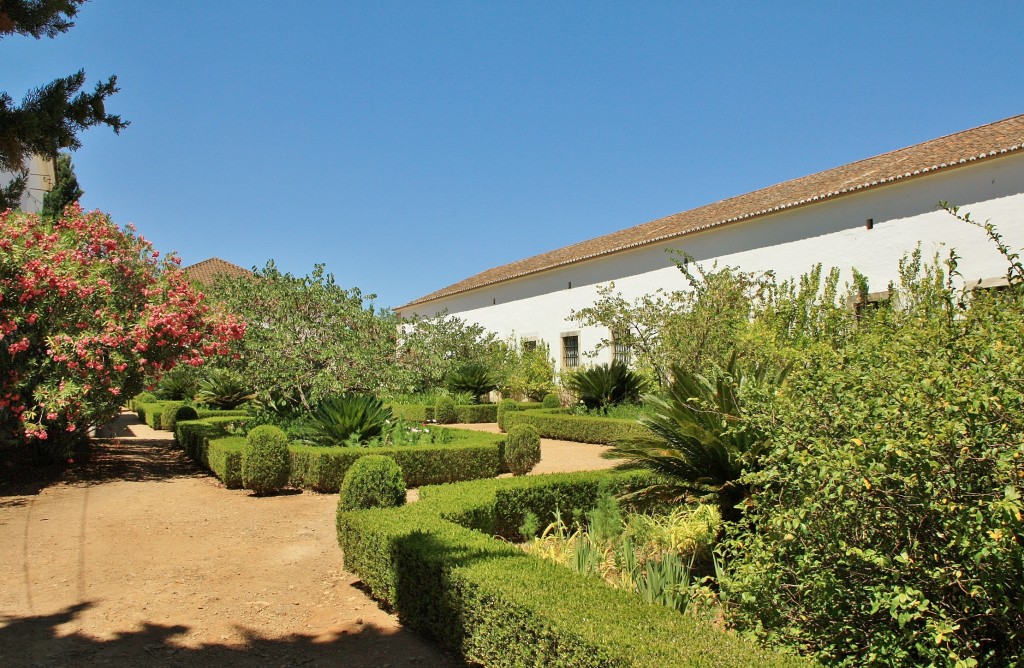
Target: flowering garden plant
87 311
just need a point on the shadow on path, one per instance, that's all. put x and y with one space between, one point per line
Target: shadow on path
41 642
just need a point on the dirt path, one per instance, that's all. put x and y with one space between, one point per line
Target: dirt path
138 558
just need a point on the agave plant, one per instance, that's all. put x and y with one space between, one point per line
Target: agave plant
606 384
699 440
472 378
348 419
223 389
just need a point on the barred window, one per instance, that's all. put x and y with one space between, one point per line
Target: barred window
529 345
570 351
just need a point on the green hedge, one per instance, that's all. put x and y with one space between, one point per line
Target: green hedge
207 442
496 605
467 414
151 412
472 455
557 424
213 412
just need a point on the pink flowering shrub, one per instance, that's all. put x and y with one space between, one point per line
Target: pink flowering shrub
87 310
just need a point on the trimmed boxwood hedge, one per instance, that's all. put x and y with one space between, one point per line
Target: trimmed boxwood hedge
498 606
470 456
151 412
557 424
465 414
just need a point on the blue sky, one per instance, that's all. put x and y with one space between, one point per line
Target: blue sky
408 145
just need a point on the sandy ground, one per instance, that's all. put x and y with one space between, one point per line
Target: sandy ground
135 556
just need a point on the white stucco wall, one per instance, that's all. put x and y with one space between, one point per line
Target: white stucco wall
40 182
789 243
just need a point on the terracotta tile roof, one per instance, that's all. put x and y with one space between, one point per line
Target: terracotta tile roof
943 153
206 271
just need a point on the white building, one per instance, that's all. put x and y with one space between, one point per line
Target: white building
866 214
41 177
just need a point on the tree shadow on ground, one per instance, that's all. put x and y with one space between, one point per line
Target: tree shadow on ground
95 463
39 641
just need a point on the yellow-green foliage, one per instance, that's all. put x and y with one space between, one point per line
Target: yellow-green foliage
266 461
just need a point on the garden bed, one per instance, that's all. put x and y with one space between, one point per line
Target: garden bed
437 564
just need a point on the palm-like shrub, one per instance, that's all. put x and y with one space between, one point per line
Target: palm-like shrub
224 389
606 384
373 481
699 440
178 384
348 419
472 378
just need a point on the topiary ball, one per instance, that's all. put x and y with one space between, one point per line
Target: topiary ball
444 411
522 449
373 481
551 400
266 461
181 414
504 406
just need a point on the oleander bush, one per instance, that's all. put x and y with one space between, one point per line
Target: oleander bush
374 481
266 460
522 449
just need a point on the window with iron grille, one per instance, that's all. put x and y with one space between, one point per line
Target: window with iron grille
529 345
570 351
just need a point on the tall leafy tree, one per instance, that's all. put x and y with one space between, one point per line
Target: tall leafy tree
65 188
50 117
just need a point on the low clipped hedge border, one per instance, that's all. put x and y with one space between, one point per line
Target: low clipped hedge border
556 423
151 412
471 456
467 414
496 605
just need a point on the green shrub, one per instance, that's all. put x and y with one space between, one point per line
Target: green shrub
470 456
349 419
266 461
181 413
444 411
551 400
606 384
139 399
522 449
412 412
223 389
152 412
374 481
886 529
476 413
178 384
167 415
560 425
504 406
472 378
496 605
